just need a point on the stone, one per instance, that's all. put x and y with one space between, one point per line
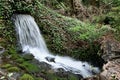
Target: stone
50 59
28 56
111 71
110 48
2 50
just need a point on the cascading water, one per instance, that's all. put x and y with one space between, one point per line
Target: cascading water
32 42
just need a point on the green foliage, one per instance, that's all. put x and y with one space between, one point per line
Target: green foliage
7 33
26 77
12 50
14 56
112 17
5 9
56 4
111 2
13 69
9 7
87 32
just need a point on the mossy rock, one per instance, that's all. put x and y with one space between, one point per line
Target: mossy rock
39 78
72 77
29 67
5 66
28 56
13 69
20 60
14 56
51 76
26 77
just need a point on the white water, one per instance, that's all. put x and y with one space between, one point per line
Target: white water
32 42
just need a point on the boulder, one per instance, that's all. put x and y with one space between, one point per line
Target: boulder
110 48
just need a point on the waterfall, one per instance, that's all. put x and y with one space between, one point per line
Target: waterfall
31 41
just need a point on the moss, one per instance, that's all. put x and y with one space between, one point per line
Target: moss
30 67
13 69
12 50
51 76
5 54
19 60
5 66
71 77
39 79
14 56
26 77
61 76
28 57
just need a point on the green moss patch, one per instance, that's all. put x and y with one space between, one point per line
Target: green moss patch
13 69
5 66
29 67
26 77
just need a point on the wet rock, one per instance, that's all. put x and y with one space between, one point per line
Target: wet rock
50 59
2 50
42 65
28 56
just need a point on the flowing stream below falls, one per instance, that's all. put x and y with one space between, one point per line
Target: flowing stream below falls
31 41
